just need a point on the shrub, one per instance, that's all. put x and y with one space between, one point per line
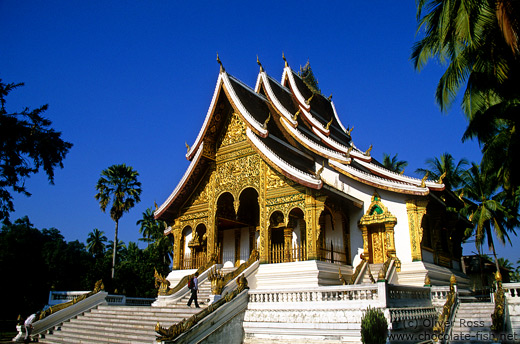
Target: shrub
374 328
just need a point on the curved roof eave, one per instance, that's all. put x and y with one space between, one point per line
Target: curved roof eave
315 123
378 182
342 148
240 108
194 148
337 117
311 145
263 80
173 196
281 165
287 73
402 178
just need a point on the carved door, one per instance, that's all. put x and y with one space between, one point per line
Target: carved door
376 244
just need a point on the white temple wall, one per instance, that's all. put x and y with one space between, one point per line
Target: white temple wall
297 234
356 236
396 205
188 235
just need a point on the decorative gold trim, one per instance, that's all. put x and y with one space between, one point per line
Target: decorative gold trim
169 334
99 286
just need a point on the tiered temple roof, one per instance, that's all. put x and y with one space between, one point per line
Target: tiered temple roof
296 131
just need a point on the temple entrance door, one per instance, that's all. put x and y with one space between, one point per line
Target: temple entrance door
376 244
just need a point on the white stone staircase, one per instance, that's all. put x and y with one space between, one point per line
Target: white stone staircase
125 324
472 323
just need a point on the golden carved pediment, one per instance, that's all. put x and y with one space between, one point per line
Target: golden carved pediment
377 212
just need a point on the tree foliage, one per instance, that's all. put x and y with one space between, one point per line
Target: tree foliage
27 143
393 164
374 327
36 261
119 186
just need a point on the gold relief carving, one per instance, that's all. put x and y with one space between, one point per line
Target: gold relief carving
415 214
208 149
275 180
201 196
235 175
236 131
193 216
263 251
298 199
211 229
221 157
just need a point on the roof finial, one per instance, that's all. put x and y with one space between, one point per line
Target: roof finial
308 101
283 57
349 131
187 146
267 121
220 63
423 181
367 153
259 63
328 124
330 97
442 177
318 173
295 117
348 151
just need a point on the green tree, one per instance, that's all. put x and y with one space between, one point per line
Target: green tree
392 164
477 40
118 185
485 209
96 242
445 167
27 143
150 228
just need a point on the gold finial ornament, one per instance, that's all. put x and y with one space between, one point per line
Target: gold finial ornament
267 121
308 101
259 63
283 57
442 177
187 146
349 131
155 204
295 117
498 276
330 97
423 181
348 151
367 153
328 124
221 66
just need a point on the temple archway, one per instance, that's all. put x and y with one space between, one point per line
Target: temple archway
276 237
185 253
377 226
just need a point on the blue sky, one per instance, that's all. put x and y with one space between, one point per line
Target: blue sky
131 81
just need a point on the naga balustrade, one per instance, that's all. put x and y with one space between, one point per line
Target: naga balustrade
512 292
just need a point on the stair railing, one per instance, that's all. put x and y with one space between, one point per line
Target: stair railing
175 330
164 285
360 268
448 313
220 280
57 314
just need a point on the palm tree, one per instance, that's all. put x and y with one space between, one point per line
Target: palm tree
150 228
446 168
96 242
118 185
393 164
485 209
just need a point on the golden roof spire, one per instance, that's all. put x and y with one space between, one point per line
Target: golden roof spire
330 97
267 121
423 181
367 153
295 117
220 63
328 124
349 131
283 57
259 63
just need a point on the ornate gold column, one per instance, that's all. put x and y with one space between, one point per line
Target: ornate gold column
415 210
177 249
212 223
390 241
287 234
263 248
313 208
364 232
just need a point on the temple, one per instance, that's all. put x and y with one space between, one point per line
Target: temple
274 169
294 233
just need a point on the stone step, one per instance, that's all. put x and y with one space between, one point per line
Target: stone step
99 337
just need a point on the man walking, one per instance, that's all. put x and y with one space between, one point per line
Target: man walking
194 286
